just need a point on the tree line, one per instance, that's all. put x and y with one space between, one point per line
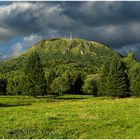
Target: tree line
117 77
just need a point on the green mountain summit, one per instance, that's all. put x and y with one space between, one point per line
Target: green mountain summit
70 45
63 50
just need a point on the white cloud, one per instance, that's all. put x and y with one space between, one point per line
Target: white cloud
27 42
24 18
31 39
15 8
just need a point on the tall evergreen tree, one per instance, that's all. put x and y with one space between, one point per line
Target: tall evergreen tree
103 80
135 80
116 79
34 82
130 62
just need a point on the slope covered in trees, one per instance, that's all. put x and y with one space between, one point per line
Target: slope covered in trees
71 66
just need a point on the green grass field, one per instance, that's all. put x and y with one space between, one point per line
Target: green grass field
69 117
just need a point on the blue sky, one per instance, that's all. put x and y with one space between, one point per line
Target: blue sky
22 24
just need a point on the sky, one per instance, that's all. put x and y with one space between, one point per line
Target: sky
115 23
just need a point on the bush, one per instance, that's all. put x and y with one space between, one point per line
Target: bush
60 85
91 84
15 85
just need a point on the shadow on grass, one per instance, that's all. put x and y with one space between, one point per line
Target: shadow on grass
6 105
53 98
59 98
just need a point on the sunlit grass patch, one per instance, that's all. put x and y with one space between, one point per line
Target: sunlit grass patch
69 117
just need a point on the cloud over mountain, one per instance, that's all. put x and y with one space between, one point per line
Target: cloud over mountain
114 23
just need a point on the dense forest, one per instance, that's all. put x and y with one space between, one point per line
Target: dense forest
70 66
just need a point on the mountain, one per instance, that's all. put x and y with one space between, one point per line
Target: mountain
75 46
64 51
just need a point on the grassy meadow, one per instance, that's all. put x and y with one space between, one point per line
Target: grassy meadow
69 116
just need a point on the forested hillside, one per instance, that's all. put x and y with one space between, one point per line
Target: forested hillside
70 66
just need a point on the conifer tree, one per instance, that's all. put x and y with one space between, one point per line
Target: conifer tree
103 80
34 82
116 79
135 80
